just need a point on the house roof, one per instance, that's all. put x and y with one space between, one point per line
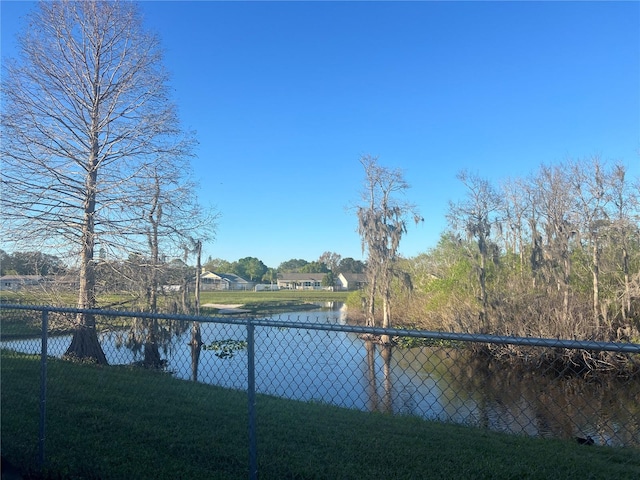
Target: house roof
229 277
22 278
301 277
68 279
355 277
232 277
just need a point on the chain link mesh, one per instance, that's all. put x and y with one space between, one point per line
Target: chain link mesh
319 358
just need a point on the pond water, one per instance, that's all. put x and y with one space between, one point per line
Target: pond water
431 382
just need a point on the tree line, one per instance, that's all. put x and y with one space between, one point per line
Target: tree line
30 263
556 254
132 273
253 269
552 255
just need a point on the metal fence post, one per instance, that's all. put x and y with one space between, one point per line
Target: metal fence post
43 387
251 397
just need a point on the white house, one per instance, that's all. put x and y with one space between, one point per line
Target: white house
301 281
351 281
223 281
17 282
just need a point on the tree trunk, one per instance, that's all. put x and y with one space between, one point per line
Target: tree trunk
386 316
198 273
386 352
151 348
595 270
196 347
155 219
484 321
566 278
85 344
371 305
627 291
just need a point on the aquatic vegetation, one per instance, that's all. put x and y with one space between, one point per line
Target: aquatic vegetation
226 348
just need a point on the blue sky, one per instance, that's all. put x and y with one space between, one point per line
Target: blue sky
286 97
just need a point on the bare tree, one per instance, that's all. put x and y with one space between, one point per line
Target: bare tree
624 203
589 187
554 201
196 335
476 216
382 221
514 210
85 108
170 217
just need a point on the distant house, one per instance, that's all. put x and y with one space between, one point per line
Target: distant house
58 282
351 281
301 281
223 281
18 282
67 282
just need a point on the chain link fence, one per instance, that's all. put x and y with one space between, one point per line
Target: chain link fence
587 391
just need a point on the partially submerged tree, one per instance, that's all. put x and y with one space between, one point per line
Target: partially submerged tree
85 110
170 218
382 221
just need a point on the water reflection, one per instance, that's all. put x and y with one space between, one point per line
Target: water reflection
452 385
147 337
196 347
431 382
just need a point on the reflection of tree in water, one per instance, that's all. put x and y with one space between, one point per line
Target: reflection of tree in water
196 347
519 400
372 389
453 384
149 337
375 403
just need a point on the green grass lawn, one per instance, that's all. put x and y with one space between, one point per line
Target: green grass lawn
232 297
122 422
270 302
28 324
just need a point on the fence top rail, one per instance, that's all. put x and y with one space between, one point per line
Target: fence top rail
363 330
